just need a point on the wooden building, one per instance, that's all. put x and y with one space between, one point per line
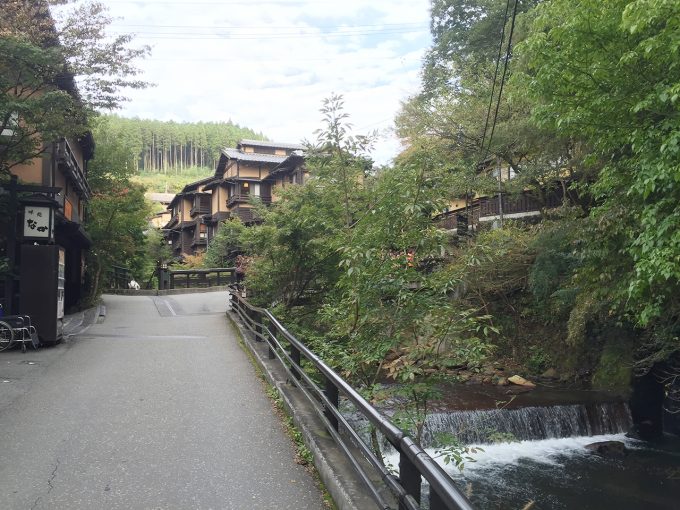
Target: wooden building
254 169
186 231
160 219
481 211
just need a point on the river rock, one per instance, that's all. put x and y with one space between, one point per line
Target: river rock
489 371
521 381
551 373
501 381
613 449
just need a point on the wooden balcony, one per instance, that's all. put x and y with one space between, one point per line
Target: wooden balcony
517 206
201 205
73 169
200 238
245 199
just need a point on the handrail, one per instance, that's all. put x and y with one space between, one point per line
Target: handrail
414 462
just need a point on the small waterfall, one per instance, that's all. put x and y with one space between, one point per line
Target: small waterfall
529 423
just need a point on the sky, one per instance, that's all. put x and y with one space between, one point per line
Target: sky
268 65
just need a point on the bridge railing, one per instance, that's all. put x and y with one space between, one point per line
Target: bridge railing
201 278
118 277
414 463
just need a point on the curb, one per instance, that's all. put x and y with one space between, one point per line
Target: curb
335 470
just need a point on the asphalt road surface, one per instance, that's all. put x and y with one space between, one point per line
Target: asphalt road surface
155 408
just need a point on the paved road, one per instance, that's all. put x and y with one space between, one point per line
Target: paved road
155 408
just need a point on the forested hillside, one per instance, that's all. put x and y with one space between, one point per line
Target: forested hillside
171 147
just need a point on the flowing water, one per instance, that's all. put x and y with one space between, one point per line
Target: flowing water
529 422
546 464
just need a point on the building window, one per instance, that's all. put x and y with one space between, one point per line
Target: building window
68 209
11 125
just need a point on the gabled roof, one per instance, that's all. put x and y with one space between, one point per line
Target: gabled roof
163 198
270 145
193 186
252 156
291 163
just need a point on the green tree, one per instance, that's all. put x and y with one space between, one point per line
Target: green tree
40 64
607 73
470 114
117 212
226 244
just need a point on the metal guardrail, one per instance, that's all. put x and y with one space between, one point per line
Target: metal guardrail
414 463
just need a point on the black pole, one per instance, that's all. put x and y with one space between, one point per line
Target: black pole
11 247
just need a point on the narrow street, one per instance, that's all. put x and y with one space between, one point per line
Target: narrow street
157 407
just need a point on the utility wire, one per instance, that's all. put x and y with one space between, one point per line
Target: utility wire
495 77
505 69
291 27
260 36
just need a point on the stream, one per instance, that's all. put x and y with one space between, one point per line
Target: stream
544 464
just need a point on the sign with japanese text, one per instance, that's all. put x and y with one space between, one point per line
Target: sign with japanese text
37 222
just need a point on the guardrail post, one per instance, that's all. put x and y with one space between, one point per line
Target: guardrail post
331 391
257 317
409 476
295 355
267 337
436 503
187 280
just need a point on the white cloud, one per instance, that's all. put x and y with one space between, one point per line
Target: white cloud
268 65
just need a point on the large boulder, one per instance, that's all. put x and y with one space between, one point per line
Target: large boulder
521 381
611 449
551 374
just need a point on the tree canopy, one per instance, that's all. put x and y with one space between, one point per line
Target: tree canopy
42 59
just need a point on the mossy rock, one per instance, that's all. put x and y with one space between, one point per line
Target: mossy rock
614 372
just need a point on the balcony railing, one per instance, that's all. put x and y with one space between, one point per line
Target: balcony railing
67 158
245 198
200 238
516 204
201 205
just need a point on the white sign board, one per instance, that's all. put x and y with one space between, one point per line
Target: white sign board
37 221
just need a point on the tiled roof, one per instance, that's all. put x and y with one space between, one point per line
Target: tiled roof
274 145
194 185
253 156
163 198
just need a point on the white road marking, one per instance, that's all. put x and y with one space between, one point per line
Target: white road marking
169 307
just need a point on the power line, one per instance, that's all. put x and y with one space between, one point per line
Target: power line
495 75
261 36
237 27
505 69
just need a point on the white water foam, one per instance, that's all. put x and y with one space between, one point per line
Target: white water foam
493 457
